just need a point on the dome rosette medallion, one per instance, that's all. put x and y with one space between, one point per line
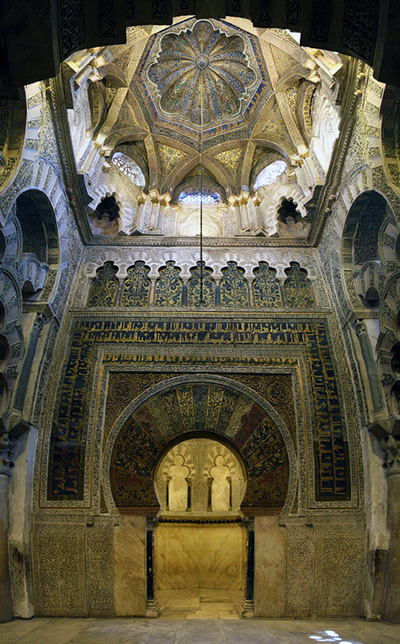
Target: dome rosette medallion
202 62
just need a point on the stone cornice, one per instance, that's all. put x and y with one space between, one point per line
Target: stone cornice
210 242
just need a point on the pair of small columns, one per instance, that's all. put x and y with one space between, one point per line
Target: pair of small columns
156 203
152 606
241 205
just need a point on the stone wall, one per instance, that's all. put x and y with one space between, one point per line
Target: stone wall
303 568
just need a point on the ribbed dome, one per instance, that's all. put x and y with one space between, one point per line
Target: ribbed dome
202 60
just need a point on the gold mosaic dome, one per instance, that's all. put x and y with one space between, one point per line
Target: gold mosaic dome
202 62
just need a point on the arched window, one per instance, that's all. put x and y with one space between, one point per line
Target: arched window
193 195
270 174
130 168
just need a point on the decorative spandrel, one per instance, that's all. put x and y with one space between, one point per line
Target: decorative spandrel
136 286
193 293
234 288
266 287
104 287
298 290
169 286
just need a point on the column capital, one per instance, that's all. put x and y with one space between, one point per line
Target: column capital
151 523
359 327
391 453
248 522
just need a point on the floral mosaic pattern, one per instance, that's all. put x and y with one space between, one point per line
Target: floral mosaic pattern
266 287
193 294
104 288
298 291
136 286
234 289
205 65
169 286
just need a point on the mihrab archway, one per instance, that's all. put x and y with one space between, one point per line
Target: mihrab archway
190 405
241 422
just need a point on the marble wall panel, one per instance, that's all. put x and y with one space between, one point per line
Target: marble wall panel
200 556
222 556
130 567
6 608
300 571
58 559
100 572
340 570
270 568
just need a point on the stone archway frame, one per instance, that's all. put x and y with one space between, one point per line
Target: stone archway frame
106 357
190 379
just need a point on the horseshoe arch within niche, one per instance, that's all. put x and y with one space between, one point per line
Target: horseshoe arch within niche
151 423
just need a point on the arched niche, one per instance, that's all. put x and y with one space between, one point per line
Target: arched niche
39 248
200 476
362 253
37 220
191 407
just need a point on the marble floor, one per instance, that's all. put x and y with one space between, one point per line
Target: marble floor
200 603
40 630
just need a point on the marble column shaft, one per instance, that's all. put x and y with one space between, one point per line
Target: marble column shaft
370 364
250 563
392 600
6 608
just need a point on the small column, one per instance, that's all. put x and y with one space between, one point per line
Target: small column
244 198
40 321
366 350
250 281
137 226
154 208
6 607
152 606
217 281
164 202
259 218
392 599
234 203
185 280
152 290
248 602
